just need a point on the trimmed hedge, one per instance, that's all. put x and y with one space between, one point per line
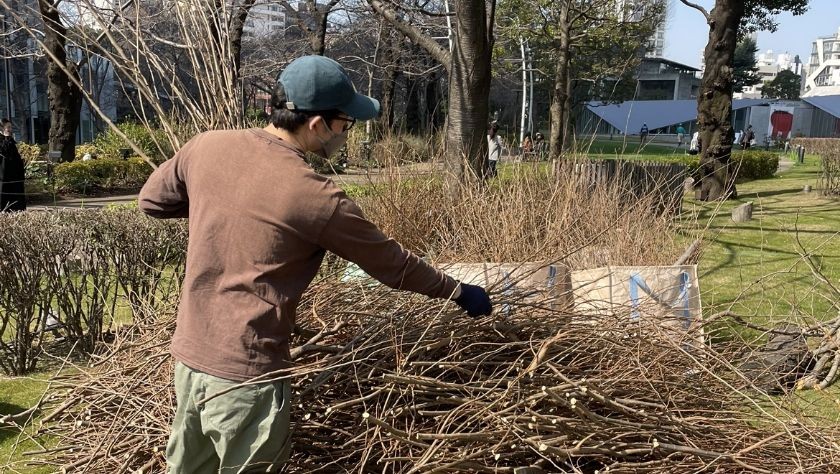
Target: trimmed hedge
29 153
751 164
109 144
102 174
756 164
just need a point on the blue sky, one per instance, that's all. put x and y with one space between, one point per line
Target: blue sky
688 33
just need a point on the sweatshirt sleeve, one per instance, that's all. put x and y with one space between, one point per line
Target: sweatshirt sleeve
165 193
352 237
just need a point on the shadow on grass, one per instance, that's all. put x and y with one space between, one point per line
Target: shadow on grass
766 194
9 409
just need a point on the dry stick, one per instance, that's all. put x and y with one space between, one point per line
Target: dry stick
689 252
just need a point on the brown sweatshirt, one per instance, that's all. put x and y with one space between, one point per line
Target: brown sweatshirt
260 221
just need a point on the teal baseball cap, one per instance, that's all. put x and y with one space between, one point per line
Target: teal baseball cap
317 83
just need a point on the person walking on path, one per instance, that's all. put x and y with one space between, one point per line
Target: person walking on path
643 133
680 136
260 222
494 148
747 138
12 171
695 147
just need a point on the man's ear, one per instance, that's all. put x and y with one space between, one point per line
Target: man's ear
313 122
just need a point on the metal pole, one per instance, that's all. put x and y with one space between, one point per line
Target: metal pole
33 96
531 92
448 25
524 91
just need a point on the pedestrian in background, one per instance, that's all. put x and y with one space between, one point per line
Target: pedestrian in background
12 171
494 149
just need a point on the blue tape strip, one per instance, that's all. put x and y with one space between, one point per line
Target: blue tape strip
636 282
685 284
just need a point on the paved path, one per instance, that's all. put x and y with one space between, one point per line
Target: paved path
86 203
785 165
351 176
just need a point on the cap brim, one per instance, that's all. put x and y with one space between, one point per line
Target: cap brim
362 107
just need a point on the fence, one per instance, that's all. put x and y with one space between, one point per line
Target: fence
662 183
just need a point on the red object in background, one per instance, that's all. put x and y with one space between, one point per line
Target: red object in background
782 122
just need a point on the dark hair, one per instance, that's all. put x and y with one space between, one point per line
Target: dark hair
4 121
291 120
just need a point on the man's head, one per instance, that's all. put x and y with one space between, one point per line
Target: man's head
315 102
6 127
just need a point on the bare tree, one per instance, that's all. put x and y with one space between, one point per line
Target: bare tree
568 31
727 20
468 66
64 89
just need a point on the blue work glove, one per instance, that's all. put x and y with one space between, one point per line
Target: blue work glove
474 300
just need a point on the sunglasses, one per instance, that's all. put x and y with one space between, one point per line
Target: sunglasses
349 123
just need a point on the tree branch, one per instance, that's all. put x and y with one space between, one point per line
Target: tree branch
696 7
437 51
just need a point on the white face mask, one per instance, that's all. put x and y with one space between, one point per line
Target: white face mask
331 145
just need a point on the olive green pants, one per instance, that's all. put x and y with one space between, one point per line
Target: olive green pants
245 430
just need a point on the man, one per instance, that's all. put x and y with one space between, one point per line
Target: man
747 138
494 149
260 221
643 133
680 135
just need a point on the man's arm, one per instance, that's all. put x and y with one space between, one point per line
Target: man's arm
351 236
165 193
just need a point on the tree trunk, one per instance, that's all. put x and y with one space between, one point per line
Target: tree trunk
392 42
714 104
237 25
469 82
560 99
65 96
318 38
469 93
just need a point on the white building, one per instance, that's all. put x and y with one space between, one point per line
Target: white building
769 66
823 72
656 42
265 18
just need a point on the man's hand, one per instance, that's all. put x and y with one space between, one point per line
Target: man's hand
474 300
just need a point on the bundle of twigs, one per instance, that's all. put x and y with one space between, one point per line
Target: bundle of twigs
388 382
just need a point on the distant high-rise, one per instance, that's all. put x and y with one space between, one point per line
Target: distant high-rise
822 75
656 43
634 9
265 19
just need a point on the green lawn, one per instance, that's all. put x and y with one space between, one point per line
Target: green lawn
757 270
627 148
16 395
757 266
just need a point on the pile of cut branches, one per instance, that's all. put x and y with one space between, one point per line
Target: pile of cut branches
390 382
